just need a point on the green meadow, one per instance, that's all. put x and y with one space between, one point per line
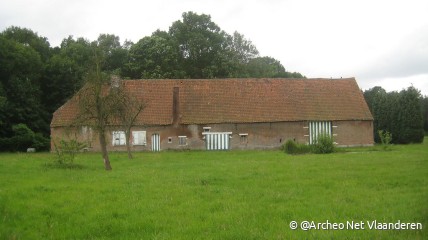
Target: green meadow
215 195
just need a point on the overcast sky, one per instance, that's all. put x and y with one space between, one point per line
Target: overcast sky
379 42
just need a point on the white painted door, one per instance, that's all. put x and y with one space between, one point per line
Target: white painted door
318 128
155 142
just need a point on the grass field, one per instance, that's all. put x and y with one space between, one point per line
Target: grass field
214 195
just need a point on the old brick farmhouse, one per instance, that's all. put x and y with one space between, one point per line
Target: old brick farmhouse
220 114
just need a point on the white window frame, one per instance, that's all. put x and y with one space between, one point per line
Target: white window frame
181 139
139 138
84 130
86 133
243 138
207 129
118 138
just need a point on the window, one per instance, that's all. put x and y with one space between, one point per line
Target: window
139 138
169 139
207 129
243 137
118 138
86 133
182 140
84 130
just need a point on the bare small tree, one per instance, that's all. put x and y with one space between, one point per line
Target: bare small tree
97 105
127 111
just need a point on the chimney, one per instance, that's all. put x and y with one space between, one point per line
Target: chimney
175 106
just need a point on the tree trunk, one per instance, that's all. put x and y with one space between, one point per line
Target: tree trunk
103 144
128 146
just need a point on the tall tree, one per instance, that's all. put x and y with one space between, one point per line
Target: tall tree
424 103
114 54
242 48
399 113
29 38
239 51
61 79
195 47
20 73
376 100
269 67
201 44
3 99
23 56
64 72
410 116
156 56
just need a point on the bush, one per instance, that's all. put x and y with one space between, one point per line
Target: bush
23 138
291 147
66 151
385 138
41 143
324 144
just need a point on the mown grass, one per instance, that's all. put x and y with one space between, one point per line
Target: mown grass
214 195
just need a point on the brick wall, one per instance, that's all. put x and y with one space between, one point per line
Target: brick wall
258 135
353 133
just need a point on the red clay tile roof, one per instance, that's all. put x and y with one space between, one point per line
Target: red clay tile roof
241 101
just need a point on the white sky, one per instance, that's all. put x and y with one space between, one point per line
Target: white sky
380 42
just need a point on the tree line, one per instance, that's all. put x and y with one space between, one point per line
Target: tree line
403 114
36 79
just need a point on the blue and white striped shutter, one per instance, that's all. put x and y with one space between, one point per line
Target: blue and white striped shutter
217 140
155 142
318 128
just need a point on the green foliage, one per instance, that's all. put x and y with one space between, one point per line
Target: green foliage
156 56
29 38
409 117
23 138
323 144
20 73
200 42
399 113
114 54
291 147
268 67
196 47
67 150
62 79
424 105
385 137
41 143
